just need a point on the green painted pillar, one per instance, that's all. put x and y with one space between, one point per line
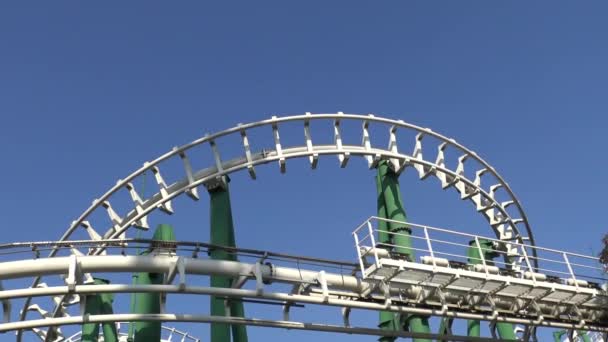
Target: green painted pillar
149 303
383 236
473 328
389 185
584 336
505 330
445 326
416 323
99 304
390 206
557 335
222 233
474 258
388 320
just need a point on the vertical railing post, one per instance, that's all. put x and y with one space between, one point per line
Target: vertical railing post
523 250
481 256
430 247
371 236
570 270
359 253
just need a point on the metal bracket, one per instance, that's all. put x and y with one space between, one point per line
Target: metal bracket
323 282
247 148
192 191
74 274
277 144
259 281
343 157
372 161
177 267
166 205
313 158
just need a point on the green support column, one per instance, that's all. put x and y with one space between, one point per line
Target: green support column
473 328
383 236
445 325
222 233
474 258
390 206
584 336
388 320
99 304
149 303
505 330
389 185
557 335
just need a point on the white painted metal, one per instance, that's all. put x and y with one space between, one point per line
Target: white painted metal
561 292
416 288
169 334
502 220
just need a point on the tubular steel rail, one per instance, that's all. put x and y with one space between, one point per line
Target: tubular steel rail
262 143
417 288
169 334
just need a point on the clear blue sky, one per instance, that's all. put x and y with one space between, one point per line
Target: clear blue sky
88 92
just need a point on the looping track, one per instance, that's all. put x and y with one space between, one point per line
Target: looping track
478 182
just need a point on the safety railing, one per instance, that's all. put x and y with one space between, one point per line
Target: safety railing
441 247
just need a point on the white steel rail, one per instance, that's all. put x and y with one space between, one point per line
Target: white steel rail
364 294
503 221
169 334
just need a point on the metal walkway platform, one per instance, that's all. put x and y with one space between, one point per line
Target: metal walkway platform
565 288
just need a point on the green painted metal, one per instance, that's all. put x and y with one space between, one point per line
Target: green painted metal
149 303
393 204
134 276
445 325
99 304
475 254
383 236
390 206
506 331
388 321
582 335
473 328
391 322
557 335
222 233
474 257
415 323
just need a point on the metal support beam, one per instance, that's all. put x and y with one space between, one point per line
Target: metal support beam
222 233
481 251
97 304
390 206
150 303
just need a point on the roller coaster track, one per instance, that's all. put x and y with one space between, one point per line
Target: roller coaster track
478 182
169 332
473 295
